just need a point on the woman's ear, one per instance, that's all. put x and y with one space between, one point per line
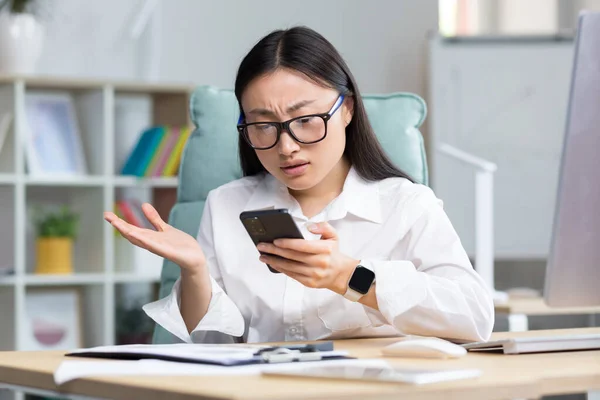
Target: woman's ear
348 110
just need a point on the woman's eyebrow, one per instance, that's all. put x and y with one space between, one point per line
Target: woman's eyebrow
269 113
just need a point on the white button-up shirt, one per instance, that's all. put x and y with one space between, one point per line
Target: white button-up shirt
425 284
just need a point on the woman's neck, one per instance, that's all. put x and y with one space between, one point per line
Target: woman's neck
314 200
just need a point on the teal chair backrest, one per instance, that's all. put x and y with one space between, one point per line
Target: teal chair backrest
210 157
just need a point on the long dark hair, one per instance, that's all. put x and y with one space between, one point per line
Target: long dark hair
304 50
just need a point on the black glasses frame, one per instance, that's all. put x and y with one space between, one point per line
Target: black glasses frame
281 126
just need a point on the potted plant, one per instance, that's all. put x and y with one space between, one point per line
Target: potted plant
56 232
21 36
133 326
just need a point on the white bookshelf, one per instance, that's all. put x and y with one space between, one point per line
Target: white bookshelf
110 116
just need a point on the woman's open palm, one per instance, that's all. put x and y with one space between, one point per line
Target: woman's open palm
165 241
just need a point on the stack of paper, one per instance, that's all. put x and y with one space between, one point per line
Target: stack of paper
214 354
75 369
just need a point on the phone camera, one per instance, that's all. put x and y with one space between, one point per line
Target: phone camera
255 226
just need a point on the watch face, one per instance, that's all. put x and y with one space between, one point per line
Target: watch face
362 279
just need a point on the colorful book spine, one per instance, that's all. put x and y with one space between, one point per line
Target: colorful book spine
156 153
128 214
157 135
131 165
136 207
172 165
172 138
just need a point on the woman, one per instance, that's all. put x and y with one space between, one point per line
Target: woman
381 257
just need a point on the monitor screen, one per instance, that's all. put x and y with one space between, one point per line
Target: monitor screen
573 269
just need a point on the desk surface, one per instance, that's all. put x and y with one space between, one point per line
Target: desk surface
537 306
504 376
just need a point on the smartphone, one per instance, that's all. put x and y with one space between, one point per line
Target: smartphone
264 226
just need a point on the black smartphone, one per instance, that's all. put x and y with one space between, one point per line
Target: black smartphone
264 226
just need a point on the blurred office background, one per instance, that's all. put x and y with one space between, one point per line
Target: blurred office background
495 74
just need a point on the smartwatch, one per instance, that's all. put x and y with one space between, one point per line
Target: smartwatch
360 282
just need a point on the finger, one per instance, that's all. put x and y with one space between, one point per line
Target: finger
286 253
284 265
110 216
304 246
300 272
325 230
126 229
153 216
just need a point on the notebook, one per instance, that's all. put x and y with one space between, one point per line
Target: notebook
216 354
538 344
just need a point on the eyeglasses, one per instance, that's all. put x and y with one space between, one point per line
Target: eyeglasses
306 129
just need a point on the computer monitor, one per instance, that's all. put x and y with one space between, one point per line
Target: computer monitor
573 268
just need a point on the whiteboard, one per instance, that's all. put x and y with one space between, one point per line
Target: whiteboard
505 101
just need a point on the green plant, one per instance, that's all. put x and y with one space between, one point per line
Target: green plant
17 6
133 325
61 223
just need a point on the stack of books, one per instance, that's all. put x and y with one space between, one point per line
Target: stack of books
157 152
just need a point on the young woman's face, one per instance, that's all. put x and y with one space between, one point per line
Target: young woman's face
286 94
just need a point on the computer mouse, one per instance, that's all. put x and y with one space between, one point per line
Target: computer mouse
424 348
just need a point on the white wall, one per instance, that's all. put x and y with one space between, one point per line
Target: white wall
525 17
203 41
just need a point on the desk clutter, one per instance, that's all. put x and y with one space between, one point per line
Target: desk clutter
293 360
157 152
214 354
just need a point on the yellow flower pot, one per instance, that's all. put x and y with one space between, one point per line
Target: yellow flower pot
54 255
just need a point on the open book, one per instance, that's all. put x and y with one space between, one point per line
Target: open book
216 354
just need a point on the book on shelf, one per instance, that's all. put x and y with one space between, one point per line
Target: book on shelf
157 152
130 210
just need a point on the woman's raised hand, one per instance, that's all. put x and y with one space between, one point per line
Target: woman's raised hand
165 241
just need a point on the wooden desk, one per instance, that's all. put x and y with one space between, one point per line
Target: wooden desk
522 376
519 310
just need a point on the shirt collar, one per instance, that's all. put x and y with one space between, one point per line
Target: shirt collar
361 197
358 197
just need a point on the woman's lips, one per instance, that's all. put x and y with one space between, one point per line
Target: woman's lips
295 170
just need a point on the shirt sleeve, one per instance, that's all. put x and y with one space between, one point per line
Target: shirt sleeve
434 290
223 322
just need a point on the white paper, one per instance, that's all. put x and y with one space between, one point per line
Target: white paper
417 376
74 369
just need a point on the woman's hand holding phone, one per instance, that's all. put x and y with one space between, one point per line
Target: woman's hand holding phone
165 241
314 263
